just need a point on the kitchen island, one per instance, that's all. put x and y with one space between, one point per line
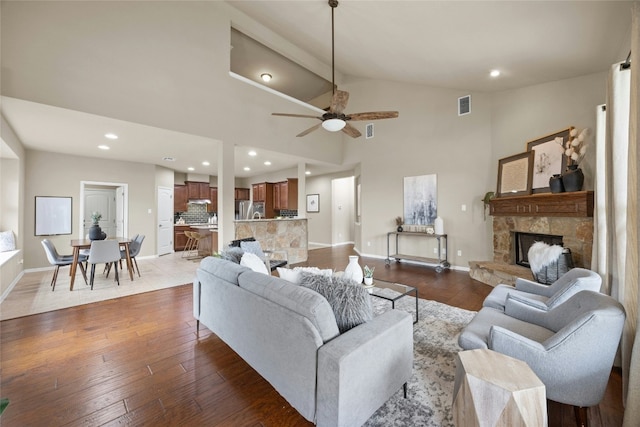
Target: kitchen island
209 243
286 234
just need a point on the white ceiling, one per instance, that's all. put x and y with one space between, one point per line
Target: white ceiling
450 44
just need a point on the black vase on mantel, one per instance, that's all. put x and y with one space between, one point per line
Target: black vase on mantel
573 178
555 184
96 233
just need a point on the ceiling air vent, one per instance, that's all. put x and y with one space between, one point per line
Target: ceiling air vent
369 131
464 105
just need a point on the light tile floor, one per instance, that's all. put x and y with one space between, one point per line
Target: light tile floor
32 294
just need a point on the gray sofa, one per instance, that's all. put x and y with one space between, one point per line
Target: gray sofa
288 334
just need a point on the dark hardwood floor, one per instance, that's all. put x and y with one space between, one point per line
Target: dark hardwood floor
138 361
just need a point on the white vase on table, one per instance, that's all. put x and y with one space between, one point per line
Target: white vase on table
353 271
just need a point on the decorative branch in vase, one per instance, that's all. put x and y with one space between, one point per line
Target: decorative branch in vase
399 223
575 149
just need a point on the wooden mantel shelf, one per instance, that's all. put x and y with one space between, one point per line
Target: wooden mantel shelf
574 204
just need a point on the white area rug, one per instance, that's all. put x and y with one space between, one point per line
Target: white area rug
32 294
430 389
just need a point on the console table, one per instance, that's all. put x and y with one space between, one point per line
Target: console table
441 261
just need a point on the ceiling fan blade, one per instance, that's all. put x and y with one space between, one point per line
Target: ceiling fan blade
339 101
311 129
351 131
373 115
296 115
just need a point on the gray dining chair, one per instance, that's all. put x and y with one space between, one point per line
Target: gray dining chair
60 261
134 250
104 251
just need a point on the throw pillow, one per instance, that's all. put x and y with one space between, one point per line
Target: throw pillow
351 303
293 274
233 254
7 241
254 262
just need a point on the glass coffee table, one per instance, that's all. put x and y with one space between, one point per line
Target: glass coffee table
392 292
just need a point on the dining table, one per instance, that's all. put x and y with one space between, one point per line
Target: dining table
78 244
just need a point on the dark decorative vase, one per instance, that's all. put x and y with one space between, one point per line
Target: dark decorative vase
555 184
400 228
96 233
573 178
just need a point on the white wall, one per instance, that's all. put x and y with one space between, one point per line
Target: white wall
51 174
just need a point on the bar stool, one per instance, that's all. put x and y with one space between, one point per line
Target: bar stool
188 247
198 239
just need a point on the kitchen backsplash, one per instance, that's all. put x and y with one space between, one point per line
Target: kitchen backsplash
196 214
288 213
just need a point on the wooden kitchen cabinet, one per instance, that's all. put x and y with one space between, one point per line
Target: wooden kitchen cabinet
197 190
260 192
263 192
213 196
179 238
285 194
180 198
242 194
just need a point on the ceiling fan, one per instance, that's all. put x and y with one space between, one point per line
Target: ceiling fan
335 119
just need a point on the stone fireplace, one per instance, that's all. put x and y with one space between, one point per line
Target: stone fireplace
566 215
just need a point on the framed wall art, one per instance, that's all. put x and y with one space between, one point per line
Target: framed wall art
420 199
53 216
313 203
549 159
514 175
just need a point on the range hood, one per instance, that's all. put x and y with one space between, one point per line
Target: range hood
199 201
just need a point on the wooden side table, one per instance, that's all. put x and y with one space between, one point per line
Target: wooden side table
492 389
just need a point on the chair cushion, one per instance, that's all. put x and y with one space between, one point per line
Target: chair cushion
252 247
351 303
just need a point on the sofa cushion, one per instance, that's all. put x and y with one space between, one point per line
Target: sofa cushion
220 268
300 300
351 303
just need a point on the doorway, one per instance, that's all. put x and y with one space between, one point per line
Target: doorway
111 200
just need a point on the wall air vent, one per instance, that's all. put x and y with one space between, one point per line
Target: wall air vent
464 105
369 131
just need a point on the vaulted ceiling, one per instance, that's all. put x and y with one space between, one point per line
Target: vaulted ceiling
448 44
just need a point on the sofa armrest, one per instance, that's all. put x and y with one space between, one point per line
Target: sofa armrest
527 310
532 287
362 368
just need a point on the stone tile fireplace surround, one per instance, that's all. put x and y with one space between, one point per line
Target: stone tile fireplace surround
569 215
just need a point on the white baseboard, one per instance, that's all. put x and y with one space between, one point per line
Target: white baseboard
11 286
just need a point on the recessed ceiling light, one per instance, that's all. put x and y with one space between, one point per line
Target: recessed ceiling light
494 73
191 168
110 135
103 147
266 77
169 159
307 173
205 163
267 163
253 153
247 168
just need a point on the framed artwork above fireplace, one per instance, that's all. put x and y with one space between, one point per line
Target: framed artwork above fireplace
548 160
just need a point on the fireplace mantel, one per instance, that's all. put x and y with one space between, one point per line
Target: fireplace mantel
573 204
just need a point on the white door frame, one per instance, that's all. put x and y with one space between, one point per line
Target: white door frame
125 206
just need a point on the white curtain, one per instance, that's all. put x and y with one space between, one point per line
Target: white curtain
616 220
630 297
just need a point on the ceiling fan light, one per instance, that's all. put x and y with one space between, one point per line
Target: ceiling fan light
334 125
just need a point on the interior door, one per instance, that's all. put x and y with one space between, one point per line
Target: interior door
120 231
165 220
103 201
